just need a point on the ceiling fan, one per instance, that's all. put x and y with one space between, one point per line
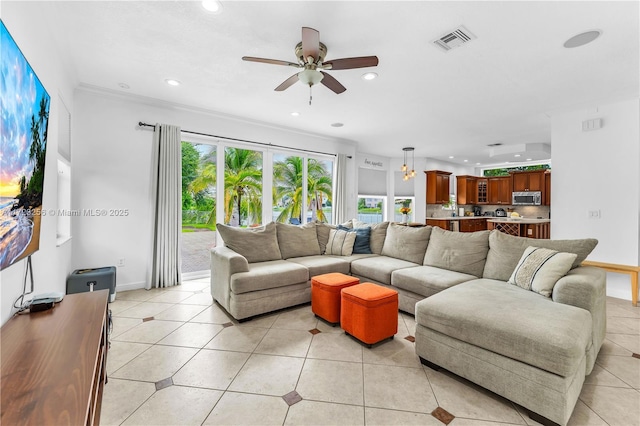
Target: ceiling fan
311 53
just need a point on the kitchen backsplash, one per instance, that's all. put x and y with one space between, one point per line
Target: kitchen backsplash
532 212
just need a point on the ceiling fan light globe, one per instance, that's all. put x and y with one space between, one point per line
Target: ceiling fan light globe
310 77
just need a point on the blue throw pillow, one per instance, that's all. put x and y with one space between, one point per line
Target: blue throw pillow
363 235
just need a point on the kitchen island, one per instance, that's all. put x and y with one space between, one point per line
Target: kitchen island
460 223
522 227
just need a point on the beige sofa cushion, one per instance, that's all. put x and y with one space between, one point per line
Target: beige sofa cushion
318 265
378 268
506 320
505 252
464 252
340 242
264 275
427 280
406 243
258 244
322 231
297 240
539 269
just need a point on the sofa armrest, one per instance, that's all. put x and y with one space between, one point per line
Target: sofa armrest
224 263
585 287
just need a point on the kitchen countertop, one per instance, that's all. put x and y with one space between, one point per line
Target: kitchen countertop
460 217
525 221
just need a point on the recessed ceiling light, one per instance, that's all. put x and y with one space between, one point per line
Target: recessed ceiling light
451 156
477 164
507 162
466 161
172 82
517 155
369 76
213 6
337 124
582 39
529 159
295 114
123 85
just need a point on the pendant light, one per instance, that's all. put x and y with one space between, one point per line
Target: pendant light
405 169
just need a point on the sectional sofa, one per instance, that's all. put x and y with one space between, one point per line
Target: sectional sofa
517 316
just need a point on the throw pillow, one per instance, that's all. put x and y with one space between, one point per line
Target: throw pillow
340 242
539 269
258 244
406 243
378 234
361 245
505 251
297 240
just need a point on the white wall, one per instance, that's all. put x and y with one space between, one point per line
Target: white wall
600 171
111 170
27 23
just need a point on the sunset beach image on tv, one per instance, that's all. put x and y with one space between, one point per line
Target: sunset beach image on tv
23 141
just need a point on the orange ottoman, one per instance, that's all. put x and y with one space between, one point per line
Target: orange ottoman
369 312
325 294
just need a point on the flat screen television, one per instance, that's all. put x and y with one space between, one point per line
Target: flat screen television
23 146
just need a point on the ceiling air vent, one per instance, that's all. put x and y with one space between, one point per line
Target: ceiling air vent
495 144
454 39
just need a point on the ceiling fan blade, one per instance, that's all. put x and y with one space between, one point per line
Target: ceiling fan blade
287 83
270 61
332 83
310 43
349 63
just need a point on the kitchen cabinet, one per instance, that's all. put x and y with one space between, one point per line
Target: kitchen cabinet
437 186
547 189
483 191
473 225
528 181
441 223
499 190
467 190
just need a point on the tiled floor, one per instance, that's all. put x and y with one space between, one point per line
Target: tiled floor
176 358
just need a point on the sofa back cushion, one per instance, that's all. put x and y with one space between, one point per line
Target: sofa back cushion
258 244
322 230
406 243
464 252
505 252
297 240
378 234
539 269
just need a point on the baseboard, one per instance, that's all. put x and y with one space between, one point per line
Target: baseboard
130 286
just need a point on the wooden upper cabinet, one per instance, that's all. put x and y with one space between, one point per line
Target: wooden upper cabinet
467 189
528 181
437 186
499 190
483 191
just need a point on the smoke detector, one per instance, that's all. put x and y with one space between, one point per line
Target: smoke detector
453 39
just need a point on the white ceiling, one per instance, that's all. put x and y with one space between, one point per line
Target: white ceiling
500 88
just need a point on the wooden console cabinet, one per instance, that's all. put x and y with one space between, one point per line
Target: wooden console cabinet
54 363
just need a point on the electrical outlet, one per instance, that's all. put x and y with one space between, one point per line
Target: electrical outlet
121 261
594 214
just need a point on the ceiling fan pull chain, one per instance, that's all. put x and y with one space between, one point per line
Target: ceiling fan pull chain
310 94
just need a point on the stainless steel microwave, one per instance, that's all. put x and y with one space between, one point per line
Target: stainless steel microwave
529 198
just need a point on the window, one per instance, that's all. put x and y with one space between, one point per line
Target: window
287 189
319 189
371 208
242 187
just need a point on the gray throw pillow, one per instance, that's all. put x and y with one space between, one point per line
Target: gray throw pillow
297 240
258 244
378 234
506 250
464 252
406 243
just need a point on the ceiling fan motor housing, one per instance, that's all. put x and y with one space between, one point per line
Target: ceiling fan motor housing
322 52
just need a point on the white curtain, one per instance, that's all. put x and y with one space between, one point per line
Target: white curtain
340 204
166 192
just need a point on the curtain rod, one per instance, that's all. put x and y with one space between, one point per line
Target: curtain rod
142 124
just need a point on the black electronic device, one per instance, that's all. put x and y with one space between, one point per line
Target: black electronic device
38 305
